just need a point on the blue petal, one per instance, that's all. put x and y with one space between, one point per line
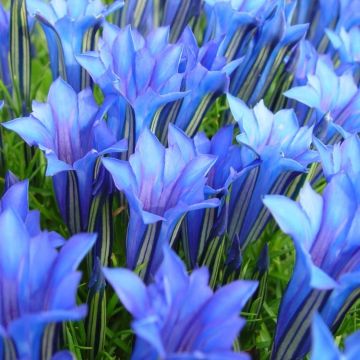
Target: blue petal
290 217
16 197
184 143
66 120
14 243
323 343
31 130
130 289
70 256
304 94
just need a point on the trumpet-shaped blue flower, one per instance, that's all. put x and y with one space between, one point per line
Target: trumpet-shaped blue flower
70 130
325 231
65 23
206 77
5 76
347 43
324 346
231 164
336 99
341 157
37 282
324 15
284 151
145 71
178 316
234 22
272 48
160 190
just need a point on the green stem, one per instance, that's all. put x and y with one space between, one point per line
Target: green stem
100 220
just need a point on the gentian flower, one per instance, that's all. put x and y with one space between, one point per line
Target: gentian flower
264 58
336 99
5 76
234 22
144 71
326 15
284 151
160 190
308 12
347 44
202 225
70 130
324 346
181 319
341 157
325 231
65 24
206 77
37 282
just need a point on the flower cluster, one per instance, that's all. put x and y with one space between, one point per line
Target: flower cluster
219 137
38 281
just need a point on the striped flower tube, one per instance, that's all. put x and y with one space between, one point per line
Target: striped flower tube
160 190
325 231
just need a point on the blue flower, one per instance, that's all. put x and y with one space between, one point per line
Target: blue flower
65 23
144 71
178 316
70 130
203 224
5 75
206 77
160 190
325 231
335 98
284 151
341 157
325 15
38 283
228 20
347 43
267 53
324 346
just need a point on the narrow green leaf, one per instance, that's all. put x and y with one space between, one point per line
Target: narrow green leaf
20 53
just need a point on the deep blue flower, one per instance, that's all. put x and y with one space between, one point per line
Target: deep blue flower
234 22
203 224
325 231
206 77
178 316
324 346
160 190
284 151
144 71
70 130
5 76
38 283
335 98
65 23
325 15
271 43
